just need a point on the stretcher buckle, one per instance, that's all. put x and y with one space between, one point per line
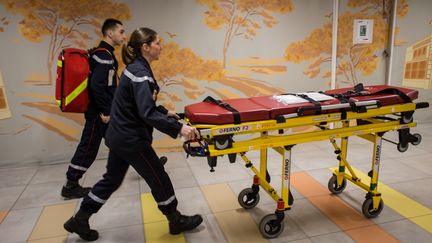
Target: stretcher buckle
196 151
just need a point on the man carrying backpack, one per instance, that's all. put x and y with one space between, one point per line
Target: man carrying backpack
101 88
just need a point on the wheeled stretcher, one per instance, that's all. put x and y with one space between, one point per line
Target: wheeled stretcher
267 121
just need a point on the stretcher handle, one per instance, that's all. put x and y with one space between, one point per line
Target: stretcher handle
200 151
301 111
421 105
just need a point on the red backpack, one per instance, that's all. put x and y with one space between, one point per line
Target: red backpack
73 71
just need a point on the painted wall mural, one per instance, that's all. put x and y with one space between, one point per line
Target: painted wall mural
418 64
223 48
351 58
242 18
64 23
4 106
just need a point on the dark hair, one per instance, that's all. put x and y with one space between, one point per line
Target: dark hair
109 24
132 49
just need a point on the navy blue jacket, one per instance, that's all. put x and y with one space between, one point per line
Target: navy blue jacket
134 112
102 81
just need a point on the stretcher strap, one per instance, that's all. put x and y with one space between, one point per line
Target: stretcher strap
235 112
317 104
360 91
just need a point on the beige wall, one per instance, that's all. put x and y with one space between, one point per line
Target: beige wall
285 47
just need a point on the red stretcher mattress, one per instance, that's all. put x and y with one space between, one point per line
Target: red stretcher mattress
269 107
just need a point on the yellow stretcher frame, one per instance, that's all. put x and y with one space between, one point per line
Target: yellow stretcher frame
371 124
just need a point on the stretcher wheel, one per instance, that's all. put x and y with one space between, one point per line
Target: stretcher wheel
417 138
270 227
248 199
367 208
402 147
332 185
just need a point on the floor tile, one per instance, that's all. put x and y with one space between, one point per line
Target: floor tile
51 220
310 219
421 162
406 231
316 160
50 173
191 201
9 195
392 171
39 195
338 237
418 190
175 160
118 212
60 239
16 176
209 232
181 177
223 173
18 225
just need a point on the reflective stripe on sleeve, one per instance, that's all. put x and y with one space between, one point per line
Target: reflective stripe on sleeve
134 78
99 60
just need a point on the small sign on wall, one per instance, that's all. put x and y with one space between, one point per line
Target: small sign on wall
363 31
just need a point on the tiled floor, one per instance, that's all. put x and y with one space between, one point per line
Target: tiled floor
31 209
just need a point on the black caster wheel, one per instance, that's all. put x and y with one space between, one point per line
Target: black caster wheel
269 227
402 148
418 139
367 208
332 185
248 199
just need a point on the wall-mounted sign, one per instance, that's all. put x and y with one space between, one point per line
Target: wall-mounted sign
362 31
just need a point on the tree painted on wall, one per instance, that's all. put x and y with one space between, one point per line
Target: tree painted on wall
183 72
241 17
351 58
63 22
3 22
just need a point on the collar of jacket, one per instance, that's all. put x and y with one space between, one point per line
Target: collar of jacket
146 64
107 46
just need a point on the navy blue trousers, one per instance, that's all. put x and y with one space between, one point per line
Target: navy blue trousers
147 164
88 147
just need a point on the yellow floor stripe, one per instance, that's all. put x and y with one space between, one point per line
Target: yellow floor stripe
405 206
155 223
51 220
236 223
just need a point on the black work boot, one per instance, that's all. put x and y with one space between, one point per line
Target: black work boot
163 160
79 224
73 190
179 223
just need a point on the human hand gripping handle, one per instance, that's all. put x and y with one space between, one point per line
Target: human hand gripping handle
189 133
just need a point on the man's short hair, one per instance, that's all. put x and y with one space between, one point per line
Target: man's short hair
110 24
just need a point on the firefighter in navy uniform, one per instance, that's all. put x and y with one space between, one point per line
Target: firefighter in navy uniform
129 136
102 85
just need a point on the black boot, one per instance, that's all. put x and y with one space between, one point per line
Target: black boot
179 223
73 190
163 160
80 224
